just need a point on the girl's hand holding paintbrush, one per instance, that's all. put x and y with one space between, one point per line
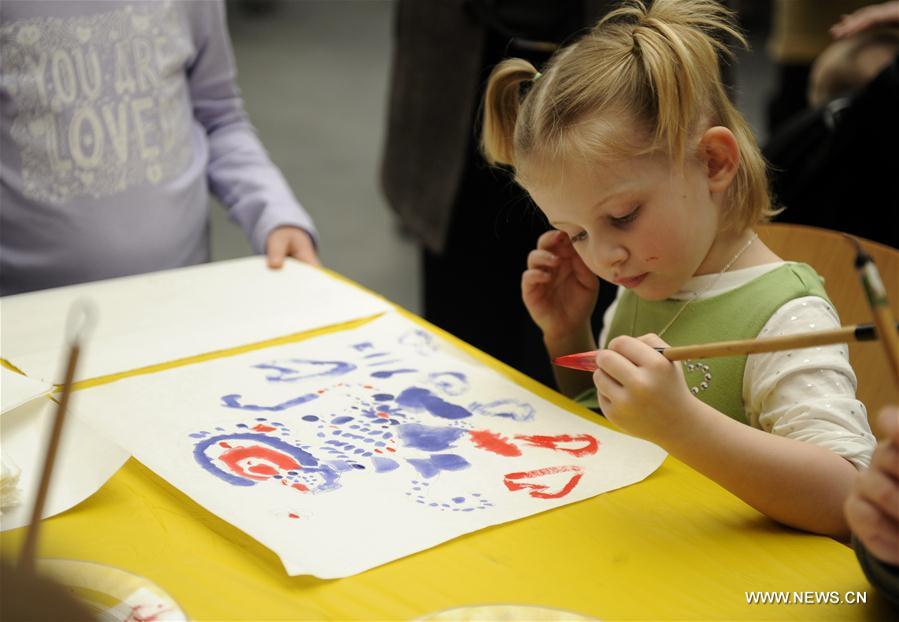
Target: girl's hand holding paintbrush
641 391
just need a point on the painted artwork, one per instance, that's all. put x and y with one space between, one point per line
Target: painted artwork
294 443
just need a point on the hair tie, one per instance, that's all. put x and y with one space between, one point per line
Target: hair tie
536 76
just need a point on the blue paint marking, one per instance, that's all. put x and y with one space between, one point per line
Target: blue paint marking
428 438
304 458
429 467
305 368
383 465
418 398
458 499
450 382
507 409
310 418
339 420
382 397
233 401
387 373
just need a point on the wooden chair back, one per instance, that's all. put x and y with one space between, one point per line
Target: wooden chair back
832 256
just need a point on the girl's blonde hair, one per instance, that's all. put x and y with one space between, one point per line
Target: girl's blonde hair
656 67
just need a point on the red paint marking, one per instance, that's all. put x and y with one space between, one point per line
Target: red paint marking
537 490
384 415
391 449
590 446
493 441
232 458
263 469
320 391
263 428
300 487
378 451
292 515
367 386
224 444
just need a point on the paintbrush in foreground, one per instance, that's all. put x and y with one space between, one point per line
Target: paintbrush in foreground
80 321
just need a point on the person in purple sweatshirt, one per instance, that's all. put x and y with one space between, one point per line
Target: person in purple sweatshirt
118 118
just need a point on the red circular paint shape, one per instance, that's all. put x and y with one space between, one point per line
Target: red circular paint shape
233 457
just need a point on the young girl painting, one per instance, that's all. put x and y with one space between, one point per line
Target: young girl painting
629 145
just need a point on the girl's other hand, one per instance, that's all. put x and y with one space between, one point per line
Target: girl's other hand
886 13
640 390
872 508
558 288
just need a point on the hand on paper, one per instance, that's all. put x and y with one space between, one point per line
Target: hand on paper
558 289
872 508
640 390
290 242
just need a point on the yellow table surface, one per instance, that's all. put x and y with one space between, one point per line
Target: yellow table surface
673 547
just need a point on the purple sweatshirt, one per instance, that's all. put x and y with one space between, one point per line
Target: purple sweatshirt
117 119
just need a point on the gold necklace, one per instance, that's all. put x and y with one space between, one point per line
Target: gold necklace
690 366
697 294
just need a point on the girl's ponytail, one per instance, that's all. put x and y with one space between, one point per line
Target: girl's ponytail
502 104
677 45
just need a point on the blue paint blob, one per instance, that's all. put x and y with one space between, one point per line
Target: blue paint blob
450 462
384 465
428 438
387 373
458 499
382 397
340 420
197 435
418 399
429 467
310 418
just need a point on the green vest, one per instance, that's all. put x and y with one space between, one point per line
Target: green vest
736 314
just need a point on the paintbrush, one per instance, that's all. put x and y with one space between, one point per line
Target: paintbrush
586 361
880 305
81 319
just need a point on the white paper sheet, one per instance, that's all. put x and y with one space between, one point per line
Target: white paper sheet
16 389
163 316
84 463
356 448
